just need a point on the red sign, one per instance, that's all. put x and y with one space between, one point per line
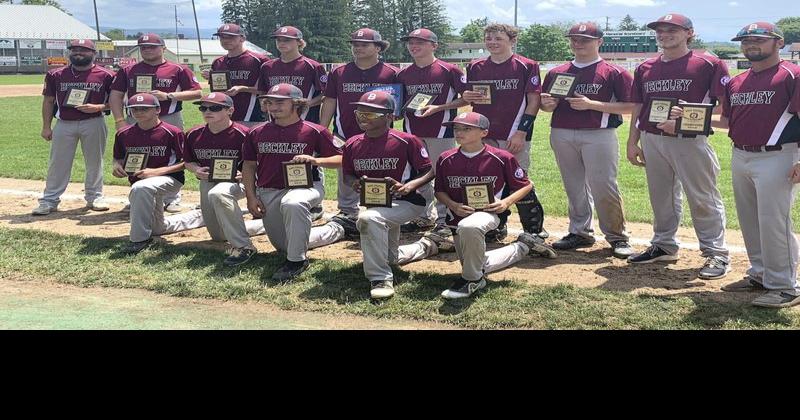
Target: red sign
57 61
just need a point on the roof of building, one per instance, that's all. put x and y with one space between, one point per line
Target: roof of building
188 46
41 22
466 45
795 47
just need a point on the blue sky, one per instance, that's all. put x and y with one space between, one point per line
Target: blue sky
715 20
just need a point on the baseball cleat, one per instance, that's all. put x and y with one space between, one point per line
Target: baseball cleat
136 247
348 223
238 256
573 241
316 213
651 255
442 236
463 288
98 204
417 225
536 245
715 267
290 270
621 249
43 210
497 235
381 289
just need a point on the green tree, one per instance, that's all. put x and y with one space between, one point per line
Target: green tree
697 44
791 29
53 3
115 34
244 14
473 31
628 24
725 52
544 43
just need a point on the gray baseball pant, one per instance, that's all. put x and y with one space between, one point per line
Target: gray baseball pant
691 163
764 197
347 197
380 236
523 157
92 135
147 208
588 161
470 244
287 220
436 147
175 119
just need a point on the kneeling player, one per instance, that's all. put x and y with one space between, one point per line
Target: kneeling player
475 162
286 211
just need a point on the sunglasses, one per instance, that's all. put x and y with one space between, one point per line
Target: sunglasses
212 108
369 116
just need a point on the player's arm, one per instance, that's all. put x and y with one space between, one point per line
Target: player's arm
461 210
517 141
326 113
249 180
317 100
117 169
201 172
186 95
115 103
582 103
721 122
635 153
435 109
48 106
414 184
164 170
502 205
325 162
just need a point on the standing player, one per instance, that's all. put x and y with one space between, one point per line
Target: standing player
475 162
444 81
584 139
244 67
287 212
762 109
174 83
345 86
515 87
684 161
383 152
162 176
84 123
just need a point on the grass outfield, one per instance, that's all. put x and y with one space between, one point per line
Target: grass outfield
21 79
25 155
338 287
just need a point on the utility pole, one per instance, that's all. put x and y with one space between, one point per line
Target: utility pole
96 20
606 22
197 27
515 13
177 39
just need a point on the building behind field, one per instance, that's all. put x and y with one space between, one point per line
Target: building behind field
183 51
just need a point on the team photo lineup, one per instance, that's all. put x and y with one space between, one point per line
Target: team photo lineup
459 160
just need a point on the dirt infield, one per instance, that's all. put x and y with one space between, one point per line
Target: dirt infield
10 91
593 267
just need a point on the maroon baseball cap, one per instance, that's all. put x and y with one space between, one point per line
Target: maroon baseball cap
216 98
369 35
760 30
421 33
380 99
472 119
283 91
672 19
82 43
287 32
150 39
586 30
144 100
229 29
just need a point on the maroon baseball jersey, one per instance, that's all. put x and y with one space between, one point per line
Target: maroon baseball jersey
762 108
398 155
97 80
510 82
443 81
454 169
346 84
601 81
244 69
201 144
270 145
164 143
170 78
693 78
303 72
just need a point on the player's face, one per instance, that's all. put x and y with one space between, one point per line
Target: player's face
582 45
143 114
759 48
152 52
419 48
498 42
215 113
372 119
671 36
364 50
80 56
279 107
467 135
231 42
286 45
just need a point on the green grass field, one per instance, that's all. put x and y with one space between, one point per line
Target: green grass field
21 79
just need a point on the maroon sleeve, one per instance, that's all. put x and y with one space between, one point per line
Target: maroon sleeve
548 78
459 79
327 147
120 82
623 85
330 86
177 145
726 102
188 148
119 147
49 85
720 79
347 160
418 155
249 147
794 105
107 85
215 65
320 77
533 84
440 183
263 77
636 88
515 176
187 80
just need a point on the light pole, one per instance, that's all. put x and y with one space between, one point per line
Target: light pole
197 27
515 13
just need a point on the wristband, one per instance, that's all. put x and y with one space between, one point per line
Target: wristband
526 123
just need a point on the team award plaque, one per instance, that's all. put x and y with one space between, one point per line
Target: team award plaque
478 195
145 82
76 97
419 101
563 85
220 81
660 108
696 119
297 175
485 89
223 169
134 162
375 192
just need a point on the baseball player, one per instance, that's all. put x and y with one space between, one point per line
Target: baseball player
244 67
162 175
514 86
761 107
286 212
443 82
401 158
687 161
345 86
174 83
474 161
81 122
584 139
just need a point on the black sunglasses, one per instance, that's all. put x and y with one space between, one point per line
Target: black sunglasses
212 108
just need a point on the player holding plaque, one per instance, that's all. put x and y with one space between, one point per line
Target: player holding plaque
286 212
689 161
79 120
385 153
297 175
696 119
376 192
485 92
134 162
222 169
145 83
563 85
418 103
660 109
219 81
478 195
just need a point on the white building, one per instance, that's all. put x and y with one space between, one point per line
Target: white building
184 51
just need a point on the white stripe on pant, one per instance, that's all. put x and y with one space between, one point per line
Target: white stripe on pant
764 196
92 134
287 220
691 163
588 162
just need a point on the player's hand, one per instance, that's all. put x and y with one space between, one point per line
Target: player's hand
398 188
161 96
497 207
357 185
202 172
667 126
235 90
47 133
206 74
517 142
794 174
145 173
472 96
462 210
304 159
255 207
549 103
118 171
427 110
238 176
675 113
580 103
90 108
635 155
